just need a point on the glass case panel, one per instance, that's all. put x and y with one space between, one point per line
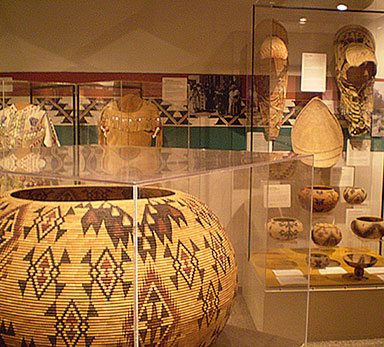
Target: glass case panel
302 51
279 252
144 245
319 71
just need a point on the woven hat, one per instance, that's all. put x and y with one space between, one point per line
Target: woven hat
317 131
356 66
272 78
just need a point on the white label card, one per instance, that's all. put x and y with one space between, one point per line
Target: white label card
258 142
375 270
288 272
342 176
175 91
277 195
313 72
337 270
358 152
287 280
352 213
290 276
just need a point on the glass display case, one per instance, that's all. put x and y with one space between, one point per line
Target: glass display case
83 113
316 88
299 53
145 245
79 111
104 244
206 111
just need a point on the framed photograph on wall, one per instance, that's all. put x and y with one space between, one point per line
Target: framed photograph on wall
378 109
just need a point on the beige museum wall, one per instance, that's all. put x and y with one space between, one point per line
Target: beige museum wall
125 36
148 36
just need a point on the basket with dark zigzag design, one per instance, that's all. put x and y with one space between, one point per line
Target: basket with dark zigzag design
67 268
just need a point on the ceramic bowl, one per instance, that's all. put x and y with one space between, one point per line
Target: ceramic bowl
354 195
318 260
284 228
368 227
324 198
325 234
359 262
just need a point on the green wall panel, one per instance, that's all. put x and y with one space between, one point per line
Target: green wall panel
226 138
65 134
175 137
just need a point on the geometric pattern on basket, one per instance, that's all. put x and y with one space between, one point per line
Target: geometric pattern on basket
201 211
106 272
215 333
47 222
10 231
44 271
210 303
71 324
127 338
6 329
158 315
157 221
7 223
118 223
76 310
219 253
186 264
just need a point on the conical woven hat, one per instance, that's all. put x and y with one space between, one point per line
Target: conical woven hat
317 131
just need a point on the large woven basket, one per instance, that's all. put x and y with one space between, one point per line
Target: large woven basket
317 131
67 268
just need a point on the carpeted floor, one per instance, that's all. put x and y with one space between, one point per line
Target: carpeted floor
356 343
241 332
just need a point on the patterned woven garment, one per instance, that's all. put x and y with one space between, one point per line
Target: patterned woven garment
356 66
29 126
67 268
130 121
24 126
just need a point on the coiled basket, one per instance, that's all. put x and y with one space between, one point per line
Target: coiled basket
67 268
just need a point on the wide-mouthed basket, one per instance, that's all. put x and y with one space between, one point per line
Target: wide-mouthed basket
67 265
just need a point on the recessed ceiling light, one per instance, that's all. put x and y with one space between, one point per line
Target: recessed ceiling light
303 20
342 7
